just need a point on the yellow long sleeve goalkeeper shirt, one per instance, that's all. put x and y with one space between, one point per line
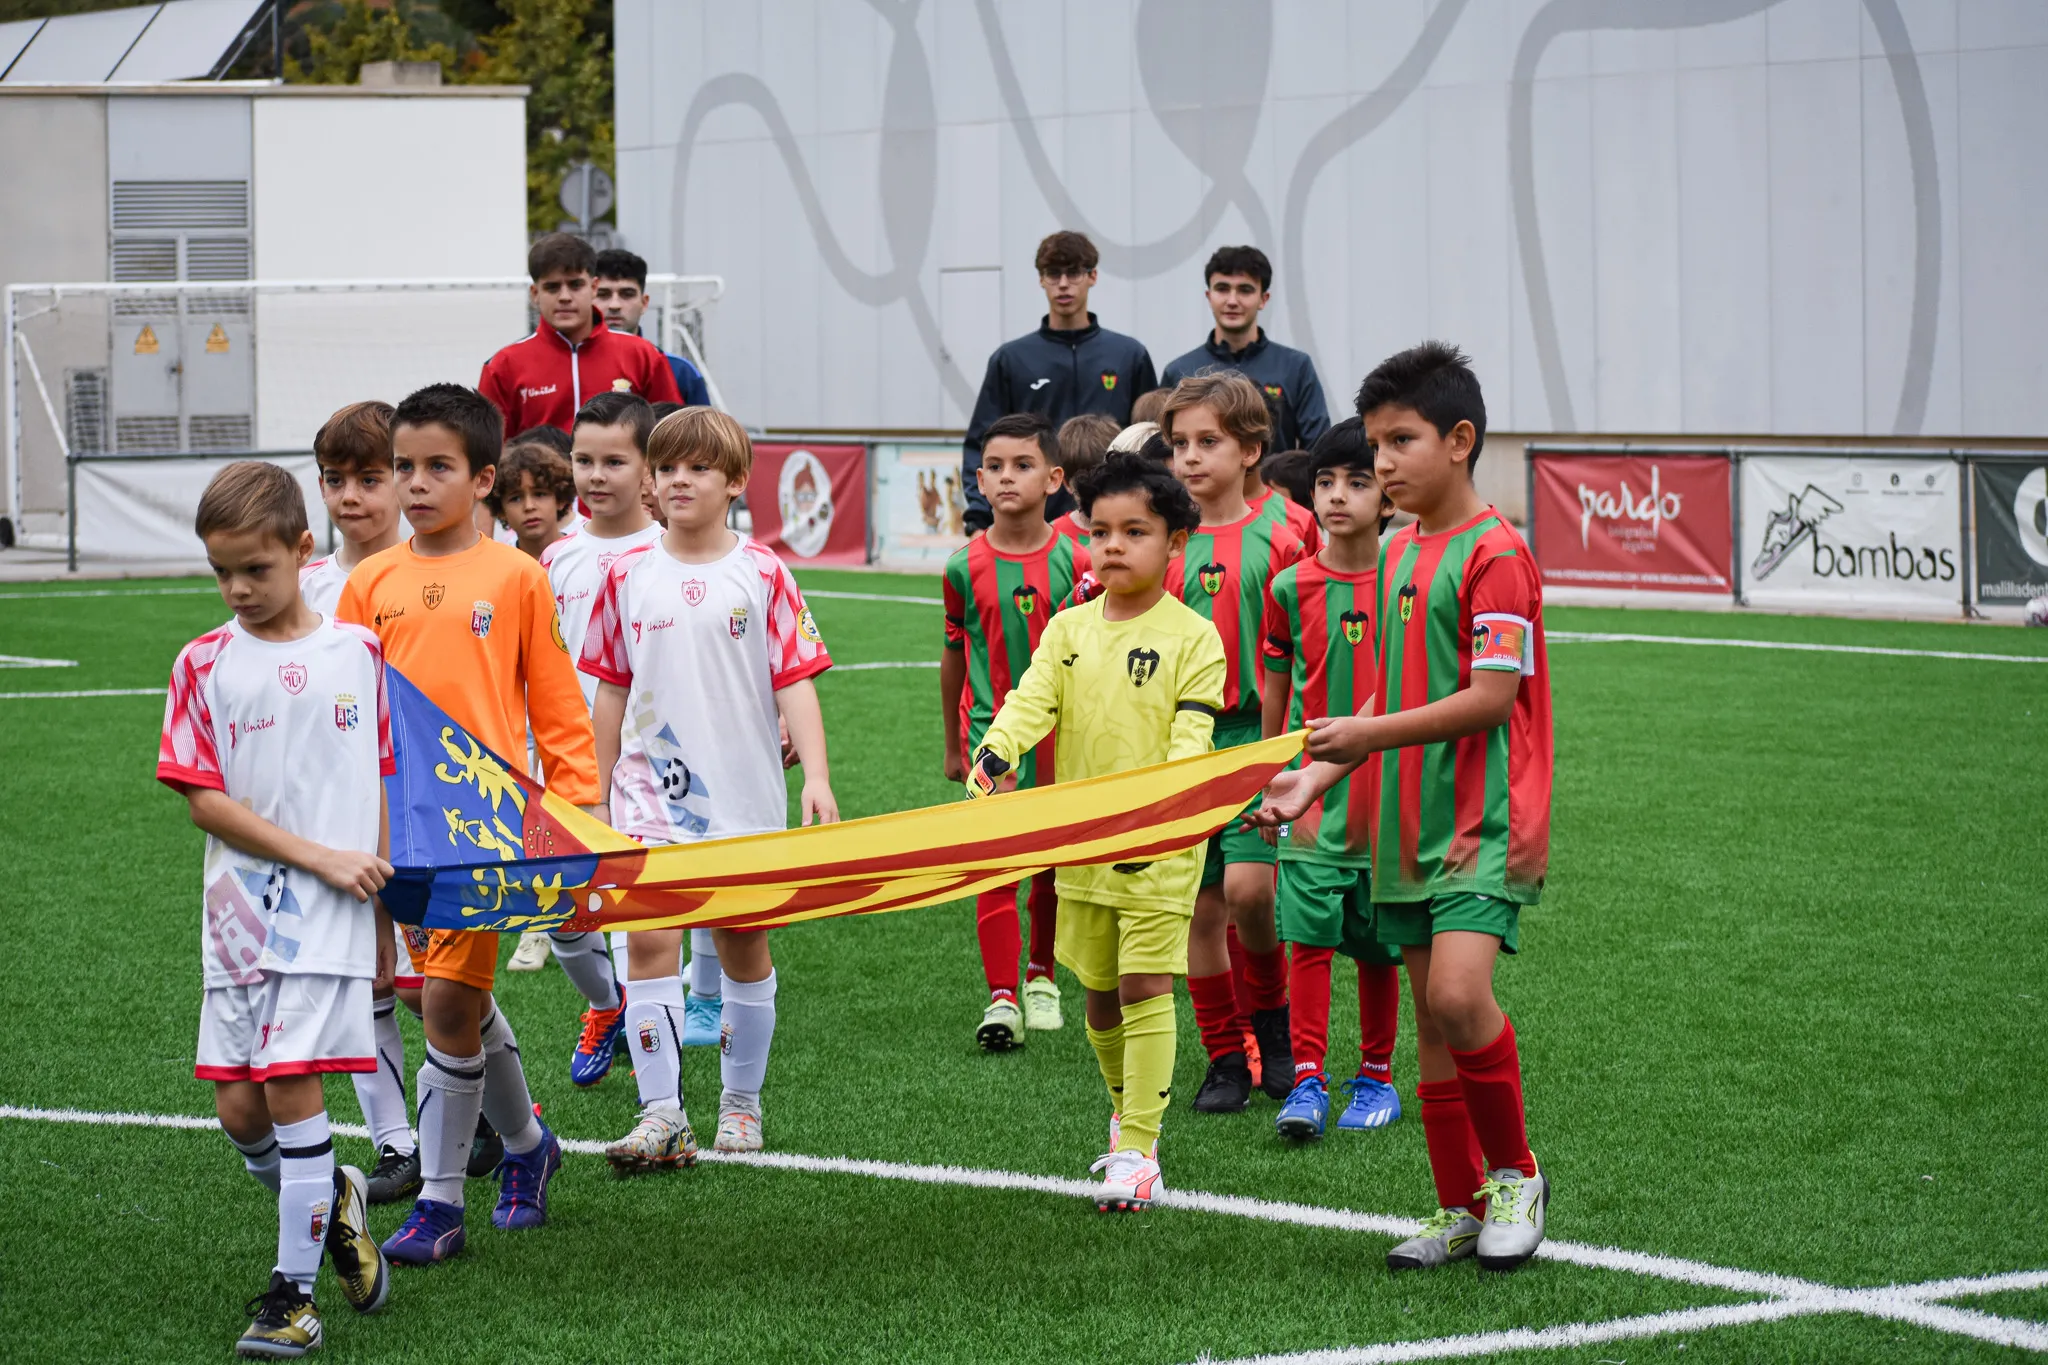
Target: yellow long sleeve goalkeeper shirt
1123 694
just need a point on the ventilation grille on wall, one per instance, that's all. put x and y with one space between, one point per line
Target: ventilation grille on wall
85 410
145 259
217 258
227 432
145 305
145 435
180 204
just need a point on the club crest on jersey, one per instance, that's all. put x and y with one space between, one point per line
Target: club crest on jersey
432 595
1407 602
1212 578
650 1037
736 624
1355 622
480 614
1025 599
693 591
1108 381
1141 664
344 712
293 676
807 627
1273 392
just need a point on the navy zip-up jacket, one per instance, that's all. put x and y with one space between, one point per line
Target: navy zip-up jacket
1061 374
1285 375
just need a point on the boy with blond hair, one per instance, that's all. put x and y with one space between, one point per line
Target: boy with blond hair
277 734
702 647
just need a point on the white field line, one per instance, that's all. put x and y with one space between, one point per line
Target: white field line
894 663
1581 637
875 597
30 661
1789 1296
110 592
88 692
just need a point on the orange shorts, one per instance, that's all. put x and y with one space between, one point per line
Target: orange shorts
466 955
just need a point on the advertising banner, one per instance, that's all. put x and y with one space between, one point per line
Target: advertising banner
918 505
1827 531
810 502
1639 522
143 509
2012 533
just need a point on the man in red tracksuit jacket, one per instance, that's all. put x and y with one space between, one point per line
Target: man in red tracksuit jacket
571 356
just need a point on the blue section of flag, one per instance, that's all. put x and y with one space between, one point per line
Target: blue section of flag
458 829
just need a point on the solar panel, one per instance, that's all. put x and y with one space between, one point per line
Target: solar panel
13 38
81 48
188 38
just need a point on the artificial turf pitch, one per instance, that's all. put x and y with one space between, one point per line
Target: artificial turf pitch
1783 1009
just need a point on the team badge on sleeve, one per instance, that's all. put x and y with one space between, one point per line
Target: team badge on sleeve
560 642
1025 599
807 627
1501 641
1212 578
293 676
736 624
1355 622
480 614
345 715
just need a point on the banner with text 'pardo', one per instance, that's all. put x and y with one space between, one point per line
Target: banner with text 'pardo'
1641 522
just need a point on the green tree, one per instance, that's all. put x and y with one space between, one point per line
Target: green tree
551 47
336 51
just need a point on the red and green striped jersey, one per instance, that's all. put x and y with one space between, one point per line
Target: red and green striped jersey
1074 527
1279 507
1319 645
1223 576
996 608
1472 814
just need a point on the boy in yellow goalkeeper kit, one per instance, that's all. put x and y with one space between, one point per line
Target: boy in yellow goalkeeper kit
1130 678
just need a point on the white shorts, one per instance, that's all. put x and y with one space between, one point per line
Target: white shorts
295 1024
412 955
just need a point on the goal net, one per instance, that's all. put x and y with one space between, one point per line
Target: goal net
122 399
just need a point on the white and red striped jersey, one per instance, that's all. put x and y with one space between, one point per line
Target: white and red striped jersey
320 583
576 565
701 650
300 733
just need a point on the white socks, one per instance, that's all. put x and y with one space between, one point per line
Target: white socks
381 1093
588 967
305 1197
654 1030
506 1102
259 1158
749 1018
704 973
451 1091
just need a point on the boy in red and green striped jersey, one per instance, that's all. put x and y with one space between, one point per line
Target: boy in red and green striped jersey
1319 656
1457 755
1217 425
1000 590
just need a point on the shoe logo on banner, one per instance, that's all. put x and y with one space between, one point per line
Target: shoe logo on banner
1788 528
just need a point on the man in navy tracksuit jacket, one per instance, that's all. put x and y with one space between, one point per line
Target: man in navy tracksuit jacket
1239 281
1069 366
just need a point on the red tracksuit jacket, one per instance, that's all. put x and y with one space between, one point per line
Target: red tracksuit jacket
543 379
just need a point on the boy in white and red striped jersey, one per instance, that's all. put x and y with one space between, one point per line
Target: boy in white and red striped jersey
278 734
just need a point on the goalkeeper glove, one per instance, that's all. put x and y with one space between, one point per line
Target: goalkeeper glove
984 778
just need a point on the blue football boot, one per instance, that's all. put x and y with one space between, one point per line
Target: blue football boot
523 1184
1374 1104
703 1020
431 1232
591 1062
1307 1108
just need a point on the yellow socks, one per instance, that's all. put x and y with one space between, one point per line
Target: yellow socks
1109 1054
1148 1039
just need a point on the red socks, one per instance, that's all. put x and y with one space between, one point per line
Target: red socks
1491 1080
1266 975
1379 1019
1216 1014
1240 982
995 925
1455 1162
1308 982
1045 905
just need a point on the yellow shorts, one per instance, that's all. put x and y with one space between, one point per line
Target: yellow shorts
466 955
1100 943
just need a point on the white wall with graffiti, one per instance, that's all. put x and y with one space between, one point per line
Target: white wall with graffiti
1659 216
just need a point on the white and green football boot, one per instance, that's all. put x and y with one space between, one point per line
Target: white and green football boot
1447 1235
1515 1205
1002 1026
1042 1004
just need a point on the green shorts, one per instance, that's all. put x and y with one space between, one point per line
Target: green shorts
1234 843
1330 907
1404 923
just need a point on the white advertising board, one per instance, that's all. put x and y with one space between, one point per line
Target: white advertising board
143 509
1823 531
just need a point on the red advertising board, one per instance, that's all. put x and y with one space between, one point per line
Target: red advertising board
810 502
1652 523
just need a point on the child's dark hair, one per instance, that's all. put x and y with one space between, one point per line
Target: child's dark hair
617 263
1343 447
1123 471
1239 260
474 419
1436 380
1288 471
619 410
1025 426
662 410
355 438
543 464
560 253
554 438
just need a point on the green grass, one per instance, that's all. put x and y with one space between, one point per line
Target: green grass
1788 967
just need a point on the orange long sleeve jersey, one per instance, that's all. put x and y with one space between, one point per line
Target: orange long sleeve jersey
477 632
